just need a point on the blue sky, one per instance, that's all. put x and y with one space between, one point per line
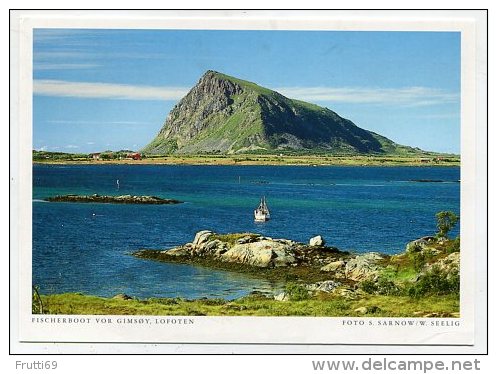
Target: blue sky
112 89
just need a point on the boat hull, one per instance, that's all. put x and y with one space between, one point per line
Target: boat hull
261 217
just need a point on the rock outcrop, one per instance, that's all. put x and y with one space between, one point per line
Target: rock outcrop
251 250
363 267
122 296
357 269
449 265
317 241
425 245
335 267
325 286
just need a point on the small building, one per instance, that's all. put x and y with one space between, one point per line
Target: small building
134 156
95 156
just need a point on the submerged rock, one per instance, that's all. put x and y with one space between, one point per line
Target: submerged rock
177 251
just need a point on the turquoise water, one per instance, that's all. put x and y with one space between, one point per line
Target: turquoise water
85 247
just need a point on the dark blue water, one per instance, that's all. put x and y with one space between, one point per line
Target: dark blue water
85 247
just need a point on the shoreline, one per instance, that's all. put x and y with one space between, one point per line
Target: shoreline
422 281
312 161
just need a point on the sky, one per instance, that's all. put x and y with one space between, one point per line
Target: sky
99 89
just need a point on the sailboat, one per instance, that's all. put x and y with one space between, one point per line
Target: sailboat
262 214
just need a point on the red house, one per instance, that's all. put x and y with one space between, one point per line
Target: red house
134 156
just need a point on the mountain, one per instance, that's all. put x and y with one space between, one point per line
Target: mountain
223 114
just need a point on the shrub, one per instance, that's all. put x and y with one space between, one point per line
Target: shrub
454 245
296 292
382 286
36 302
368 286
434 282
418 259
387 287
446 221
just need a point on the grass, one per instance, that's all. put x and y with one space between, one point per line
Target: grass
283 158
400 273
255 305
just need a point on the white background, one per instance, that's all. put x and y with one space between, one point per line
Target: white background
211 364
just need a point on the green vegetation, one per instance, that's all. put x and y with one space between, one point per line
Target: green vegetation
383 286
296 291
260 157
256 305
446 221
417 273
62 157
435 282
452 246
419 259
44 156
36 301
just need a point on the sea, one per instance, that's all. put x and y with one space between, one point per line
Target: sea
86 247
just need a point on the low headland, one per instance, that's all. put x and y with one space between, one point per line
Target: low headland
311 279
278 159
109 199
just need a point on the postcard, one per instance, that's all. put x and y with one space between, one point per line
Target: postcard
248 178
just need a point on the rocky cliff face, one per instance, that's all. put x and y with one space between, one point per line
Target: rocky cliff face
223 114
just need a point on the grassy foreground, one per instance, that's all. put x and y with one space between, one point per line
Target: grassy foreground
257 305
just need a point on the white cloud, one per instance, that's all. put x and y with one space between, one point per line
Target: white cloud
71 146
106 90
409 96
57 66
83 122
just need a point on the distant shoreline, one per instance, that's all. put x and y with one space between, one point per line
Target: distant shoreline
268 160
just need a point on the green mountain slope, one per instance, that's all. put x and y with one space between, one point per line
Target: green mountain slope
223 114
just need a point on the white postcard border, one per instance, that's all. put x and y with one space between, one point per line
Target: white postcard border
296 330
